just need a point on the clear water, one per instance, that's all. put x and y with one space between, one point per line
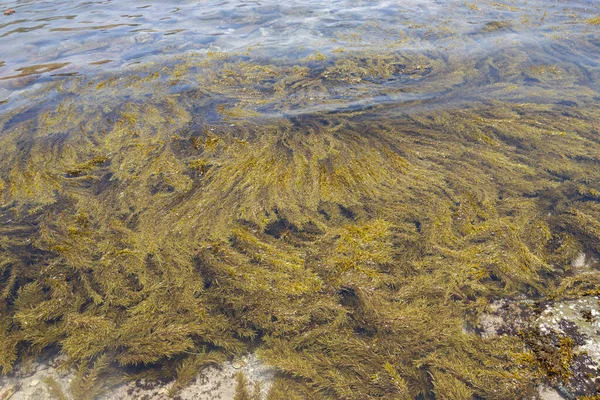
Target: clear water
53 40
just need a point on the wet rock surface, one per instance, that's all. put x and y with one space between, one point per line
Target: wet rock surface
563 336
576 321
44 380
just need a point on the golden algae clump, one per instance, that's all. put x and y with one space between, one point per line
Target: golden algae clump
162 231
594 21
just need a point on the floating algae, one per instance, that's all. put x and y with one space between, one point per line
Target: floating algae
326 212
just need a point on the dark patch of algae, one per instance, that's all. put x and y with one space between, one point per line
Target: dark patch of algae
161 221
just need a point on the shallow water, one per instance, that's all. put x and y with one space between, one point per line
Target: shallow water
52 40
342 187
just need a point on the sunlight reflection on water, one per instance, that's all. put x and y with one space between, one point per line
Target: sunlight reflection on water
50 40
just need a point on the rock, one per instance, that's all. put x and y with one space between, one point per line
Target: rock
163 391
10 391
490 324
38 394
579 261
547 393
10 11
34 382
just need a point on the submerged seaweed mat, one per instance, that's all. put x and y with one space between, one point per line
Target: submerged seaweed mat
179 214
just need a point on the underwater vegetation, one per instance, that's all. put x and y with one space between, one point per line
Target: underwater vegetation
156 223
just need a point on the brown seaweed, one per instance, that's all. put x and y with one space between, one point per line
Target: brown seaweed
168 230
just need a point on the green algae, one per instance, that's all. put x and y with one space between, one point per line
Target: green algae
165 230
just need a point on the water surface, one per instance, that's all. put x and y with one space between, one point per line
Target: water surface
53 40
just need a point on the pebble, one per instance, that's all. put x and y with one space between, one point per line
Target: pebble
34 382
